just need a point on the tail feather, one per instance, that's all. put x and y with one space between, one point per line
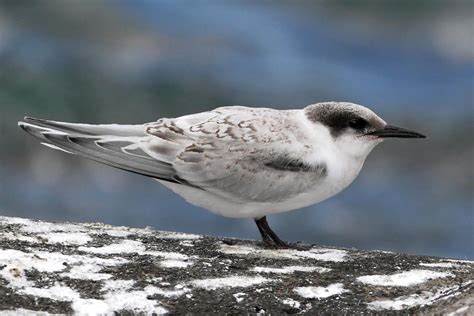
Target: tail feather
87 129
114 145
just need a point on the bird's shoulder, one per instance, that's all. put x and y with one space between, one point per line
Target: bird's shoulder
229 124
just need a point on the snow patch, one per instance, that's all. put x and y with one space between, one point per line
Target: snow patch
290 269
321 254
186 243
179 290
29 226
81 267
77 238
133 301
167 255
320 292
439 265
460 261
460 311
117 285
50 261
37 227
125 246
173 235
91 307
15 275
87 271
175 264
239 297
232 281
423 299
23 312
132 246
12 236
125 286
407 278
57 292
291 302
118 296
118 233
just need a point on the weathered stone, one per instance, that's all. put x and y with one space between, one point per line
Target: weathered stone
97 268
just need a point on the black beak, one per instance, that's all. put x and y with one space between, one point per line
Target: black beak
394 131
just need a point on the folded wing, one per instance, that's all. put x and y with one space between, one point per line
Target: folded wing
115 145
241 154
238 153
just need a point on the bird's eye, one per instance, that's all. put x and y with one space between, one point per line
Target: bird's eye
358 124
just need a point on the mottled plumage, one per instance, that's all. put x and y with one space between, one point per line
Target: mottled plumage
235 161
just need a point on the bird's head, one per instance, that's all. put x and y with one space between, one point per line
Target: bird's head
353 128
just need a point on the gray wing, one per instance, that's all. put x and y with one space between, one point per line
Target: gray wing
115 145
242 154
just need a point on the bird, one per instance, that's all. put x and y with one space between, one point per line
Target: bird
237 161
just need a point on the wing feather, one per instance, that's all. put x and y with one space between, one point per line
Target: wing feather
241 154
111 149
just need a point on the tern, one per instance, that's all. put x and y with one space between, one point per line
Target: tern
236 161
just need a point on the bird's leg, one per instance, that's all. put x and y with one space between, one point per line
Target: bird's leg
265 238
268 235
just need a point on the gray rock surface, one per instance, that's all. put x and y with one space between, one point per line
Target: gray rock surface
97 268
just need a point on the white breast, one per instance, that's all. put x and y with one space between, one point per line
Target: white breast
340 174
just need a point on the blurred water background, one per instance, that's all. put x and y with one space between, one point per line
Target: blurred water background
136 61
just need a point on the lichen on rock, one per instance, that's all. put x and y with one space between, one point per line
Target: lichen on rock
102 269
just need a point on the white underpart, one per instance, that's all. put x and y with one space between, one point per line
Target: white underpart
320 292
407 278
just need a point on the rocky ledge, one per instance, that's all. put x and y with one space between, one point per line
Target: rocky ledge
102 269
